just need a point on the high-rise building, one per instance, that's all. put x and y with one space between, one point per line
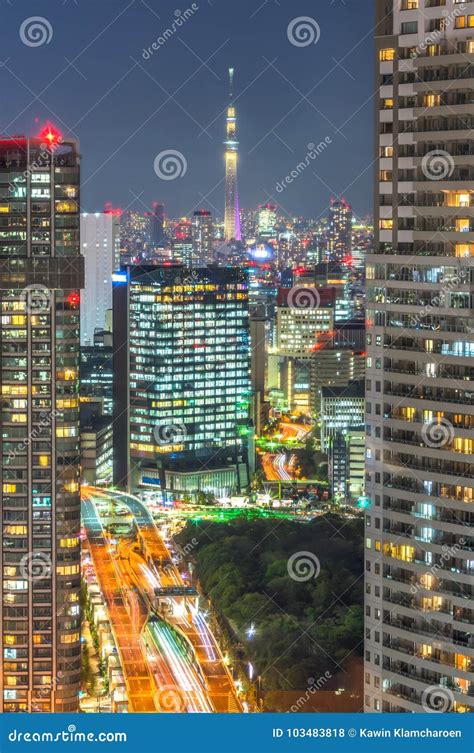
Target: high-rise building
232 230
302 316
419 651
340 230
182 242
100 242
135 237
202 238
341 407
96 372
266 221
157 224
41 273
181 379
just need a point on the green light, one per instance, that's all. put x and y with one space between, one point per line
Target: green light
363 503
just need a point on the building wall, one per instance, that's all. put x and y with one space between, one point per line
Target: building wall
419 648
182 369
40 277
99 242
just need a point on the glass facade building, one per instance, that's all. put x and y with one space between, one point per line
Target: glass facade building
181 372
41 273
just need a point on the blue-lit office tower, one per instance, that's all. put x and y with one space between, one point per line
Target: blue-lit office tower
181 379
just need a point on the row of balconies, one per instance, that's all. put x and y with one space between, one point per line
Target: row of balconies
459 614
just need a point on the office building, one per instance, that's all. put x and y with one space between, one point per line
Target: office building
341 407
96 449
41 274
202 232
157 225
135 237
100 242
181 379
266 222
96 372
302 316
182 242
419 652
339 230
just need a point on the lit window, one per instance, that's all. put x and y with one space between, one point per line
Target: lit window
432 100
387 54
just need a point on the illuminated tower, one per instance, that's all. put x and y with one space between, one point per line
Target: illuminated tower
41 272
232 212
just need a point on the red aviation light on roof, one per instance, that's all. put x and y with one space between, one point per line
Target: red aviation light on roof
50 136
74 299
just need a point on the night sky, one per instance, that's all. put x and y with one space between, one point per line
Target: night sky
91 80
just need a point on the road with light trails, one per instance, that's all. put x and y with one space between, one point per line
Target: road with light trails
279 467
220 687
125 620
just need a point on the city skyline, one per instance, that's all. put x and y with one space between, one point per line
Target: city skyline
277 116
236 403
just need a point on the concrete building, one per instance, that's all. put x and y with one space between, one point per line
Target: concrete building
419 651
100 242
